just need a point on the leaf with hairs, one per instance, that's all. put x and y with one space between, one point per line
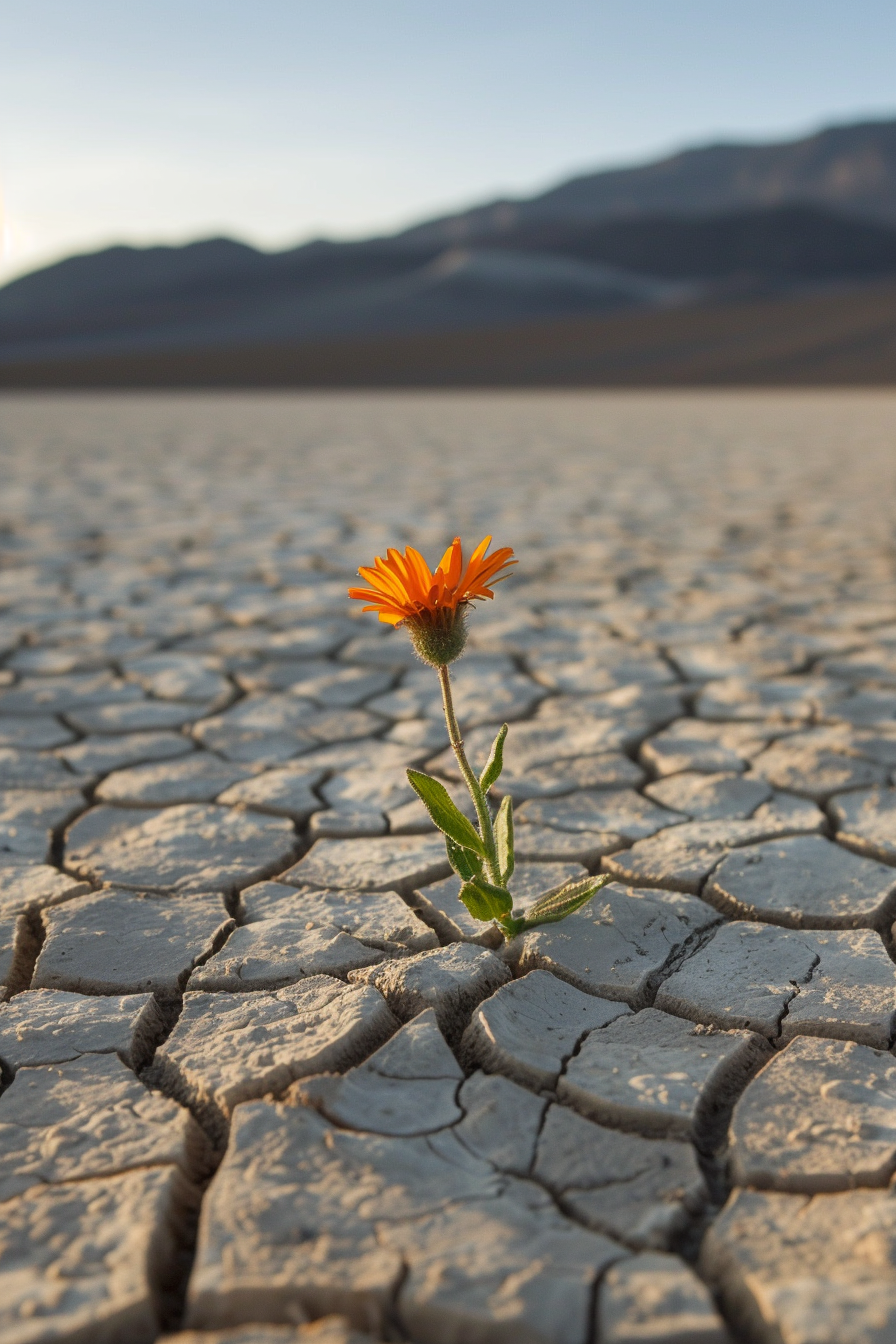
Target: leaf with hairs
504 838
495 763
499 897
446 815
480 901
556 904
464 862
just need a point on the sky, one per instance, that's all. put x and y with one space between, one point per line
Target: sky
279 120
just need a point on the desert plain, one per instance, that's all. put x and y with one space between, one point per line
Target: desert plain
262 1078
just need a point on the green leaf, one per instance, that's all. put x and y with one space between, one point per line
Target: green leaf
480 900
464 862
512 925
556 904
495 763
499 898
504 838
449 819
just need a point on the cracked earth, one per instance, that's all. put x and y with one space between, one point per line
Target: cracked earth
262 1078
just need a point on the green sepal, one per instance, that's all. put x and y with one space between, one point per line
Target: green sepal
440 641
495 763
504 838
561 901
449 818
464 862
484 901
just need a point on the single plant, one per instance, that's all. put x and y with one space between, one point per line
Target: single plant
433 609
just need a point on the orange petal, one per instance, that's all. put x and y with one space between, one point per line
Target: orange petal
385 581
473 565
451 563
403 586
396 565
420 570
492 566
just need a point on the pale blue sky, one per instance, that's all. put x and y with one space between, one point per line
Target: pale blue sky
276 120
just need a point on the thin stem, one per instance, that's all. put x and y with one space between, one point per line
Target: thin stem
472 783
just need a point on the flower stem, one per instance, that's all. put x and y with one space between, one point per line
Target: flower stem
479 800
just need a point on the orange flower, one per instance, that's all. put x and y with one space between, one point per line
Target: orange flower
402 588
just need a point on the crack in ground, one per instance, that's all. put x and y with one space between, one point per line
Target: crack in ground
30 936
675 959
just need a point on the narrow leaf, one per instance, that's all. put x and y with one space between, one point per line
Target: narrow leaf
499 897
464 862
477 902
495 763
563 900
449 818
504 838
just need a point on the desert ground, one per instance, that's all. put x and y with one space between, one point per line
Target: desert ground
262 1077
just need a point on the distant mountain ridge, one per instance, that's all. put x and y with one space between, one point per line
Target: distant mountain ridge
847 169
704 226
321 291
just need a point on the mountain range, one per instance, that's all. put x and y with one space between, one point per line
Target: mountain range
728 232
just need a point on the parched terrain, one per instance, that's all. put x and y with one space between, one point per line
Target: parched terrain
262 1078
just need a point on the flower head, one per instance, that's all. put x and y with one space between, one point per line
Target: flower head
404 591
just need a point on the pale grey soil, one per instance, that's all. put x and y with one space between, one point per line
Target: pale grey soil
262 1076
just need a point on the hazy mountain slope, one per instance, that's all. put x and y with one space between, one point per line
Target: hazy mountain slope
849 169
126 287
785 243
847 337
703 226
116 273
294 298
223 293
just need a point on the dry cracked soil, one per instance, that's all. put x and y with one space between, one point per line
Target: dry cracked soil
262 1078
